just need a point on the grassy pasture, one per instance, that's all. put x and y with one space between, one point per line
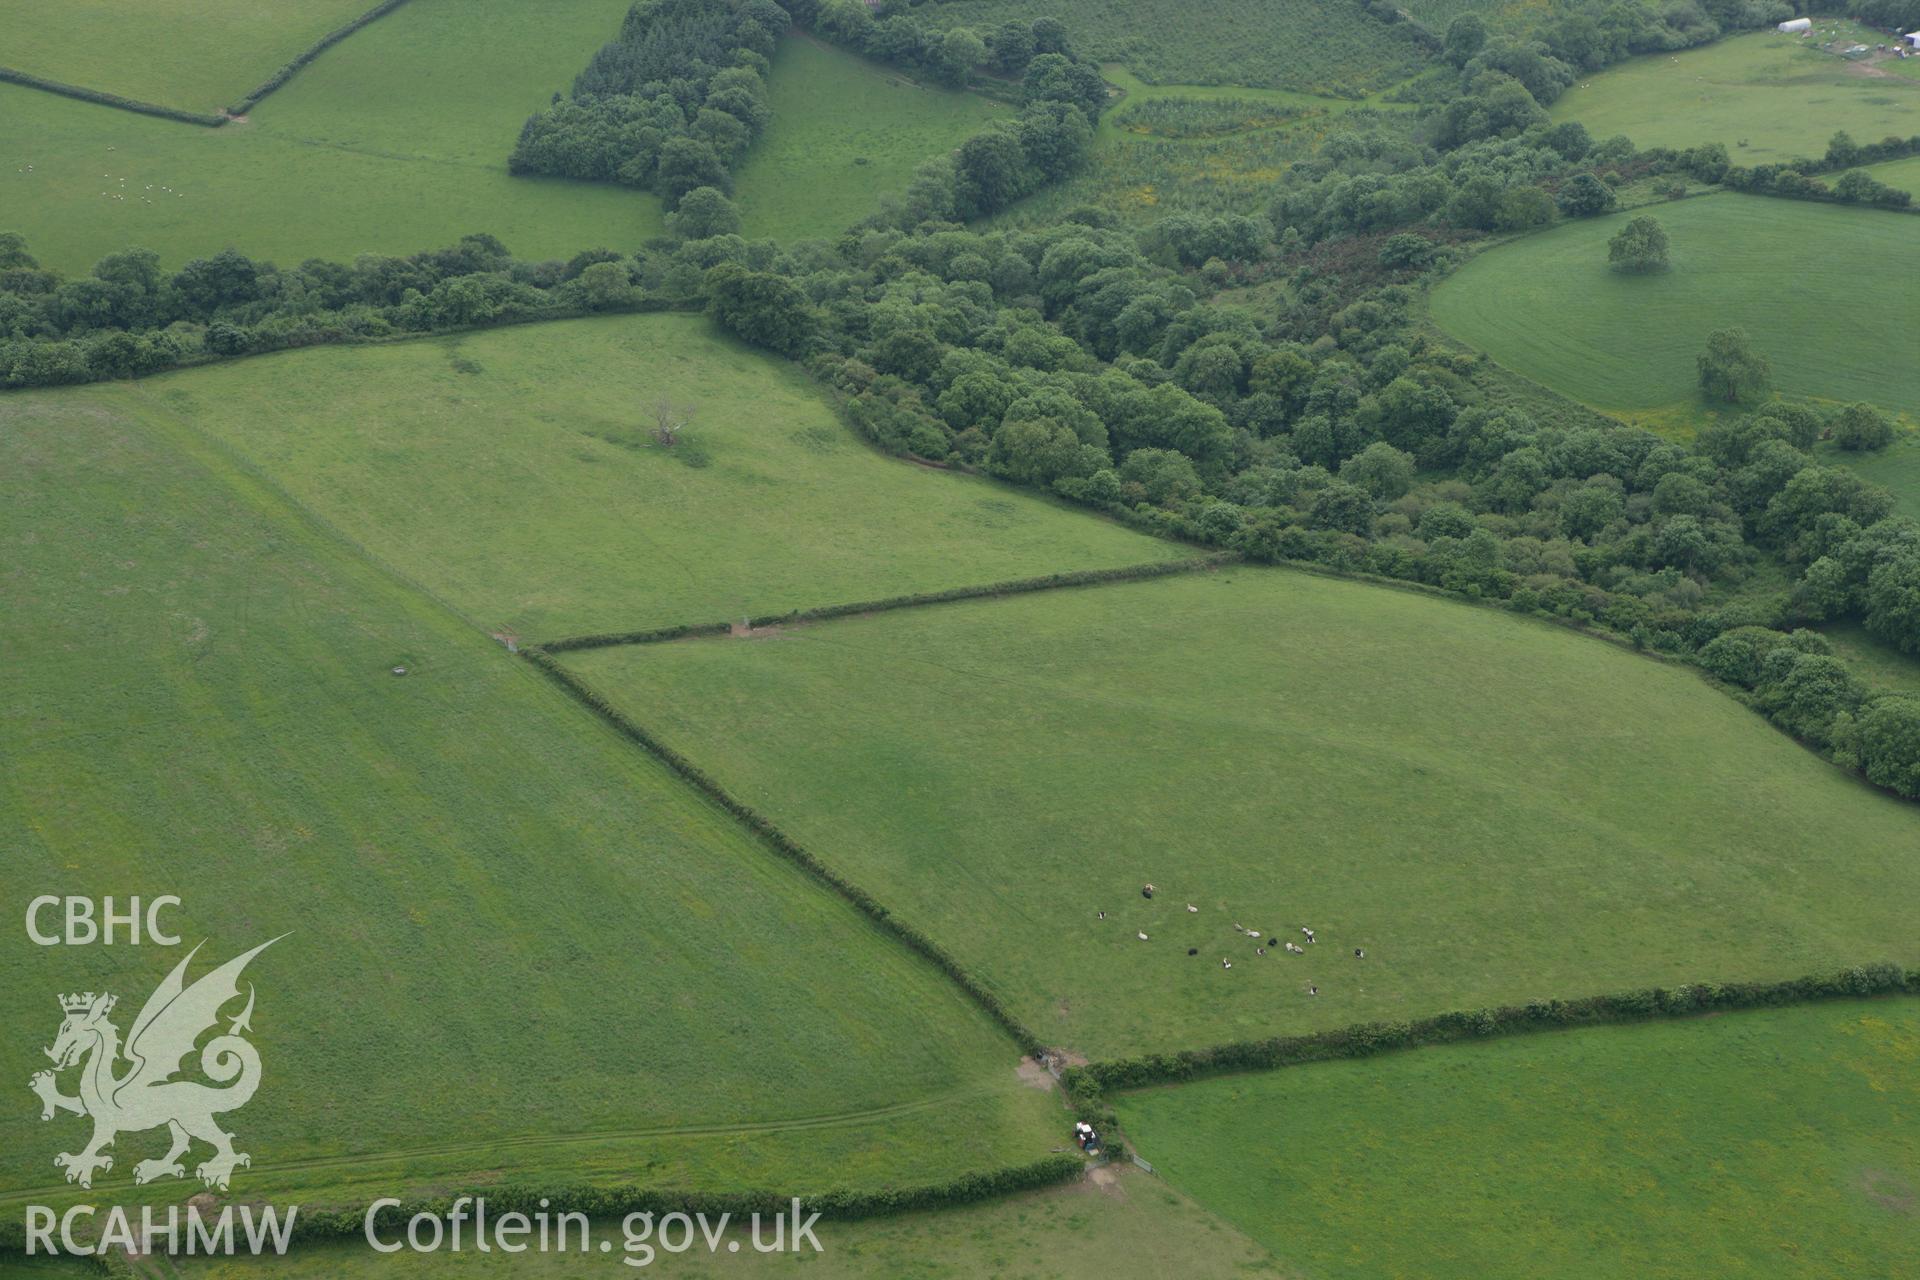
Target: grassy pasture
1873 659
1897 467
195 55
394 141
1767 97
1779 1142
518 950
844 132
1331 47
1124 1224
1904 174
513 474
1495 809
1546 306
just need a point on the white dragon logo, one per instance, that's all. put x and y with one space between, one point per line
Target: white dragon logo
147 1095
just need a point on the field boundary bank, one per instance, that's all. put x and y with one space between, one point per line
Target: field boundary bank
1086 1085
773 837
621 1199
205 119
887 604
300 61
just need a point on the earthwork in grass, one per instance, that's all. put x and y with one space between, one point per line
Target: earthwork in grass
1280 751
516 949
515 474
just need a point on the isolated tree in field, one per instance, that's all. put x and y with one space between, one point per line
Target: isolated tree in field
1861 426
1731 371
1640 248
671 418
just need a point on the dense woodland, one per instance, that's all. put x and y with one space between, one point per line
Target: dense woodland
1304 417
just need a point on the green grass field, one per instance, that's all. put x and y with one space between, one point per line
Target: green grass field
1774 1143
513 474
394 141
1881 665
1766 97
194 55
1904 174
844 132
1897 467
1546 306
518 949
1331 47
1281 750
1120 1223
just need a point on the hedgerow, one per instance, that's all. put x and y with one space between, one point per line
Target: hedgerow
211 119
1009 587
618 1200
1369 1039
308 54
780 842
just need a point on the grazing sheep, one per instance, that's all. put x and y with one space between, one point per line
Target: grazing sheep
1141 936
1195 910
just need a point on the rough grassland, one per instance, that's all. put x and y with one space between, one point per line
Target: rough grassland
1141 176
1882 666
1126 1224
1770 1143
1316 46
1771 92
1546 305
845 132
1495 809
518 949
514 474
394 141
196 55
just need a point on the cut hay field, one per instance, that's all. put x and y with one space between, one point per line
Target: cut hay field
1546 306
1126 1224
844 132
1495 809
394 141
1771 1143
516 950
1315 46
1766 97
192 55
513 473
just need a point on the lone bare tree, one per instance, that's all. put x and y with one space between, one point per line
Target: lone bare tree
671 418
